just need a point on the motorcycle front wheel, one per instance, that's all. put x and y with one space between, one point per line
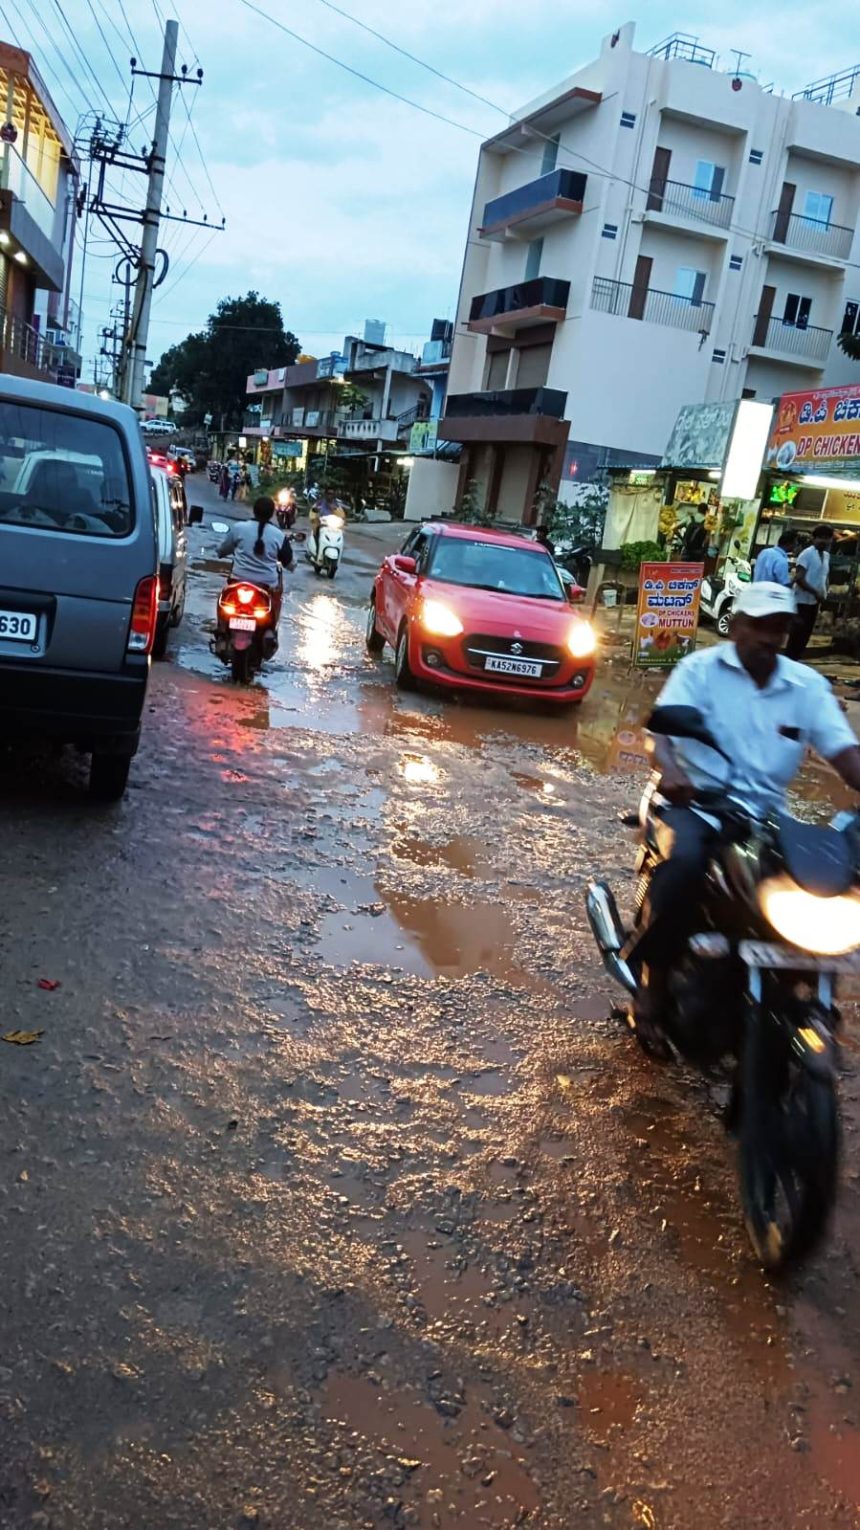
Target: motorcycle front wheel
788 1153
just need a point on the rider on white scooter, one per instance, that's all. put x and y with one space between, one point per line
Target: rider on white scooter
327 514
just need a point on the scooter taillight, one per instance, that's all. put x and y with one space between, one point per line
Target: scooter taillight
245 600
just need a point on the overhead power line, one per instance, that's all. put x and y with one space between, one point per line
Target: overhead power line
366 78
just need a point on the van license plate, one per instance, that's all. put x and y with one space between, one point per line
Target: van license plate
242 624
18 626
514 667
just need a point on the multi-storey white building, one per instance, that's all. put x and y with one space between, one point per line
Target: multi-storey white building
653 232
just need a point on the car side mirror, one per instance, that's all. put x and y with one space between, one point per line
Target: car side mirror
575 594
683 722
403 564
195 515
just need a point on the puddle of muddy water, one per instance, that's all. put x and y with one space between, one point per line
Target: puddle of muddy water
439 1489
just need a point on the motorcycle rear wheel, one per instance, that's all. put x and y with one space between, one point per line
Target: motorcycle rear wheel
240 667
788 1156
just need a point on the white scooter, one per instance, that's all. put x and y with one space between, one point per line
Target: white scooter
719 595
324 548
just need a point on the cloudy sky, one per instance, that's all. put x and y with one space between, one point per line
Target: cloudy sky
342 202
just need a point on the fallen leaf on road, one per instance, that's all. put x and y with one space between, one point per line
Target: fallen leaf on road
49 984
22 1038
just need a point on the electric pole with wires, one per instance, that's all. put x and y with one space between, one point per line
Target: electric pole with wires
138 334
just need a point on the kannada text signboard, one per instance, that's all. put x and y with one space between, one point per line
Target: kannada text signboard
816 429
667 617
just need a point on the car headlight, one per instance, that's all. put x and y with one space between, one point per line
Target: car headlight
582 641
823 926
439 620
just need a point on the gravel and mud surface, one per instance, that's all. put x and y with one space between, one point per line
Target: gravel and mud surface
331 1196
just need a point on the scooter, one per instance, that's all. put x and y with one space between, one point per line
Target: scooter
324 548
719 595
246 633
285 509
756 990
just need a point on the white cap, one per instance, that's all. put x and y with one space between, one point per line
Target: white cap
765 599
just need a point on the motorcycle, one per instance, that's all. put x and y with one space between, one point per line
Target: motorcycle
285 509
246 633
214 471
755 991
324 547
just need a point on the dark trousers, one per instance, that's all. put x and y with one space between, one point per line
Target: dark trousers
801 630
684 841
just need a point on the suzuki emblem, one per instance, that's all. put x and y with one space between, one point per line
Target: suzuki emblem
516 648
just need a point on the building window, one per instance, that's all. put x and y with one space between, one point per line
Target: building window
533 366
609 231
690 284
628 119
756 156
719 357
818 207
735 262
550 155
748 393
497 370
533 259
797 310
851 319
708 180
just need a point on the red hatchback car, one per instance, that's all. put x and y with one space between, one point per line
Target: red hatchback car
480 610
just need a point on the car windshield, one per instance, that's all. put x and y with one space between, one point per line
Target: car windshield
490 565
62 472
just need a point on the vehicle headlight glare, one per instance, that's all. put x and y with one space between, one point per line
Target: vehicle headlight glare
822 926
582 641
439 620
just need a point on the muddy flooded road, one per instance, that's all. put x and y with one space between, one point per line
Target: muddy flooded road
332 1194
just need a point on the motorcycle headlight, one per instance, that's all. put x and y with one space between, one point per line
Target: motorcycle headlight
333 522
439 620
822 926
582 640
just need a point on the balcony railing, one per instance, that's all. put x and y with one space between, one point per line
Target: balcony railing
15 177
558 185
368 430
811 235
511 401
26 344
678 200
683 45
628 301
806 341
542 292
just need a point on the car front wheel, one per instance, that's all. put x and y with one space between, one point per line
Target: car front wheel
109 776
402 670
373 638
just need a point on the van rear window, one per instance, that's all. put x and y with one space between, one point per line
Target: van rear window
62 472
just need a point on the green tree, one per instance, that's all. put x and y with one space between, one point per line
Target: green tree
473 506
850 345
211 368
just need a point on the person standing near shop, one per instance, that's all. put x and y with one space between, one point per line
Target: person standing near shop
771 565
811 582
694 543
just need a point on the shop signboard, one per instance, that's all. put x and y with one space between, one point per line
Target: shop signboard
816 429
667 617
287 448
423 436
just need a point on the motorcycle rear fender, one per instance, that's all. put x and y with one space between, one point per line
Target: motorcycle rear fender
241 640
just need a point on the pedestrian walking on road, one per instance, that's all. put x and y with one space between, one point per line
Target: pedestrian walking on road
224 481
771 565
812 581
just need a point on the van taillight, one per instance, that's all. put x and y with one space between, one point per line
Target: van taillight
143 615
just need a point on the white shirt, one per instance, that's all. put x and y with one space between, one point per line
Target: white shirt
816 567
765 732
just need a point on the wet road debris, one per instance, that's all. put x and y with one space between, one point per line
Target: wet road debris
334 1195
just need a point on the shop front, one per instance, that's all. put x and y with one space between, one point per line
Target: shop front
701 504
812 474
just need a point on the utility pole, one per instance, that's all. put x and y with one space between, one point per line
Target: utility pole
138 337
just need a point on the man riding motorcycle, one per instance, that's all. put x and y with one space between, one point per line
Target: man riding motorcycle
766 710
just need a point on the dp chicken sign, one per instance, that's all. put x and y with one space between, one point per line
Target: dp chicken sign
667 618
818 429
